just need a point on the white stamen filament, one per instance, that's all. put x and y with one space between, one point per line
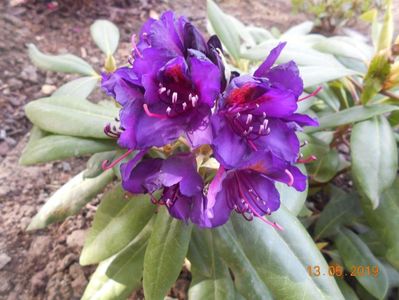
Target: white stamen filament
162 89
249 118
168 110
184 105
174 97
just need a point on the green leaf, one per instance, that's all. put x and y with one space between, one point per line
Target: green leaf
346 290
351 115
224 28
385 221
374 157
106 36
342 209
77 89
290 197
94 164
69 199
55 147
116 277
66 63
247 280
274 255
344 46
387 29
117 221
355 253
302 55
377 74
316 75
215 282
165 254
78 118
325 167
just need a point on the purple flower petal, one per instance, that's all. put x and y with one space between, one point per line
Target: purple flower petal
270 60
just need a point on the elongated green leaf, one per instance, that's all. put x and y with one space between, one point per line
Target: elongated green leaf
351 115
69 199
94 164
247 280
385 221
117 221
387 29
54 147
302 245
224 28
165 254
346 290
355 253
116 277
67 63
343 46
215 282
340 210
374 157
77 118
300 29
77 89
290 197
316 75
35 134
273 254
106 35
325 167
302 55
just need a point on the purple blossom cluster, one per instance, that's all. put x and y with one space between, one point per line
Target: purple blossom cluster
175 92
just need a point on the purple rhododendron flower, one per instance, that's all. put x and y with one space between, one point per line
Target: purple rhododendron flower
177 176
171 87
258 113
170 91
249 188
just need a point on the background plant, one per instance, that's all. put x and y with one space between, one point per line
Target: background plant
332 14
351 225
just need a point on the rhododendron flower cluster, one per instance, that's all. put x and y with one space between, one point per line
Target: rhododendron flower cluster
175 98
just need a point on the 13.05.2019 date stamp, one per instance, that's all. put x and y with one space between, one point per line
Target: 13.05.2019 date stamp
338 271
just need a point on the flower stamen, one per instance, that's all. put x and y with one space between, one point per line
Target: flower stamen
314 93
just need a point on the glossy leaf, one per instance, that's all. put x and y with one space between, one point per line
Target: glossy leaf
344 46
69 199
342 209
247 279
77 118
351 115
385 221
374 157
94 164
275 254
355 253
325 167
302 55
55 147
67 63
106 36
118 220
346 290
77 89
316 75
116 277
215 282
165 254
224 28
